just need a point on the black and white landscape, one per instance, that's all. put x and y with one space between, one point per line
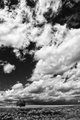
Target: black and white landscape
40 53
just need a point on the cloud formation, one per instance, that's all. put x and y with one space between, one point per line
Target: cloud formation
57 73
8 68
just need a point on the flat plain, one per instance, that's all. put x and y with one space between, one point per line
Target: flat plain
61 112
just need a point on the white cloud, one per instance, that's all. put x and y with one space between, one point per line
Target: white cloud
60 59
17 86
13 32
43 7
8 68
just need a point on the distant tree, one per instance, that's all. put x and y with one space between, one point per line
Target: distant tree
20 103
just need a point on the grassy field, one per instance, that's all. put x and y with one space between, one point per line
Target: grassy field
40 113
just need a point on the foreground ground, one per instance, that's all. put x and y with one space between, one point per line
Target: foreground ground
41 113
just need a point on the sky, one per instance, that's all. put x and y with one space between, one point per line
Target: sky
40 51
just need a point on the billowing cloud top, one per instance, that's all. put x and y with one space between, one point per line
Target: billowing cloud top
8 68
57 73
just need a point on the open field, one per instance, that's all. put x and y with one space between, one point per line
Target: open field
40 113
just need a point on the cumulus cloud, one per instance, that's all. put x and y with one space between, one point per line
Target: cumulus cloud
57 67
8 68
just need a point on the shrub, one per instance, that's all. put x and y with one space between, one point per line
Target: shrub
20 103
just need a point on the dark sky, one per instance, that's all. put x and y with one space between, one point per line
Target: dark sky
23 69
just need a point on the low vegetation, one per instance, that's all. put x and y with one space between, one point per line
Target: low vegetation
45 113
21 103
